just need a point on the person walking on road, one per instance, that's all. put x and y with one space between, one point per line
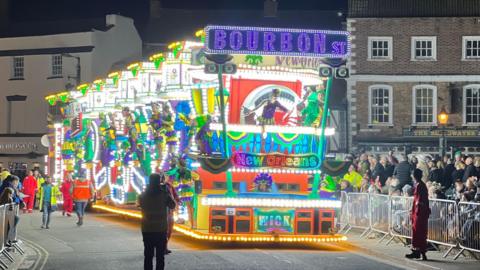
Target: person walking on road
82 191
420 213
154 203
29 189
65 188
48 200
40 180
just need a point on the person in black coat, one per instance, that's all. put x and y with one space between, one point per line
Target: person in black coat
154 202
459 171
378 172
403 172
435 174
469 169
447 173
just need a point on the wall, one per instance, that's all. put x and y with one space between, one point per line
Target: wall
401 73
120 43
449 32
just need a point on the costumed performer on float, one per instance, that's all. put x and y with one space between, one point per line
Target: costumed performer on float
312 113
158 130
182 180
270 106
168 122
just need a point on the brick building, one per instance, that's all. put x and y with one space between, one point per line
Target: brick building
410 59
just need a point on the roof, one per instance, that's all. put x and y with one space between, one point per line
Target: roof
179 24
42 28
57 50
413 8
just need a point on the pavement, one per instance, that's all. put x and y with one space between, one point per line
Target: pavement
107 241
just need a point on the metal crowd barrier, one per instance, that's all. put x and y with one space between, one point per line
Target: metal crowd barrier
400 222
450 224
468 227
358 212
379 214
443 223
342 217
8 232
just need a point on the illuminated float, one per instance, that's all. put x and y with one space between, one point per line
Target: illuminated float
246 160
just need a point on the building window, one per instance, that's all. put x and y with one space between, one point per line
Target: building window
471 104
18 67
424 104
57 65
471 47
380 48
424 48
380 104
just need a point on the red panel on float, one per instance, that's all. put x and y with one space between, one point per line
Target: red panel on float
240 88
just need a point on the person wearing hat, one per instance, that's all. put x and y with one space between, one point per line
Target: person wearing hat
82 191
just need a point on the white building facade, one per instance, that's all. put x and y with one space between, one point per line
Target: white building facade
33 66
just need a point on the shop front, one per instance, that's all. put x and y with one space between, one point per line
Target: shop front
19 153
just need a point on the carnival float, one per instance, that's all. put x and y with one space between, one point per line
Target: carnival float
243 142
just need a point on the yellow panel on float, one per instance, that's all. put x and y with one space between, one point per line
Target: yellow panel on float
197 100
211 100
203 213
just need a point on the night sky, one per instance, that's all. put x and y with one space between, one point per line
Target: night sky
32 10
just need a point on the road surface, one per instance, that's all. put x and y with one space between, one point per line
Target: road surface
109 242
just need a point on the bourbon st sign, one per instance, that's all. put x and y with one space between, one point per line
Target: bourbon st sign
276 41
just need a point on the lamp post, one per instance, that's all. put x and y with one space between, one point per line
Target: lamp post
220 66
443 121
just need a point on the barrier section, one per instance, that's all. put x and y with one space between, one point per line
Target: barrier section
401 223
342 221
10 228
443 223
380 214
358 213
468 227
2 228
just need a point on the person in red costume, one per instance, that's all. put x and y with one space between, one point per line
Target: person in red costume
67 196
420 214
29 189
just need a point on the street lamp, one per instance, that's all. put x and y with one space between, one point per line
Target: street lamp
443 121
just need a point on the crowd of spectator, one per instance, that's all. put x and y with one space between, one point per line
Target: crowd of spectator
454 178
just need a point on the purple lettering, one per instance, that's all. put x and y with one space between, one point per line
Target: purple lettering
279 60
338 47
252 40
220 40
286 42
268 40
236 40
319 43
303 42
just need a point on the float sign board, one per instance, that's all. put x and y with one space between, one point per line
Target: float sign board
276 41
273 220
